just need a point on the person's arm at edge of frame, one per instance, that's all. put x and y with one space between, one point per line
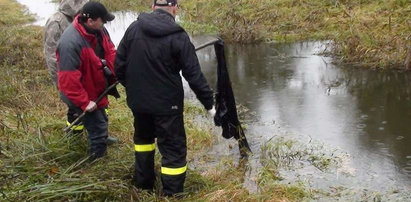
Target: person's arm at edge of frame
110 56
191 71
50 46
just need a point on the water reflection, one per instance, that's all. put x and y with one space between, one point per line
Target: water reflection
362 112
385 98
118 26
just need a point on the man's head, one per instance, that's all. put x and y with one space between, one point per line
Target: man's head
167 5
94 15
71 7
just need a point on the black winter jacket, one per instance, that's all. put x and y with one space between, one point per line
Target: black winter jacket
149 59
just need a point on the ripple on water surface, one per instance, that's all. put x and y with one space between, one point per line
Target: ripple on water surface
407 169
361 125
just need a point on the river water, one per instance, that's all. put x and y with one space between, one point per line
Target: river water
291 90
294 91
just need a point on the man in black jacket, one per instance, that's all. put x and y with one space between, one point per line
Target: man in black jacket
149 59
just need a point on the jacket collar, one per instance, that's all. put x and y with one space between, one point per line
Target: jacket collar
163 12
91 38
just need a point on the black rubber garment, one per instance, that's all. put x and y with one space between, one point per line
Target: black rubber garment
226 110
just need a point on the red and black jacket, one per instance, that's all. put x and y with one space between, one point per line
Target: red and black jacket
81 76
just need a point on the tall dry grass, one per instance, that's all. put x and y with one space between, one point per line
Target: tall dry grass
374 33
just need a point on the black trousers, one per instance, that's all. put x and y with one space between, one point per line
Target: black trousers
172 144
96 124
72 114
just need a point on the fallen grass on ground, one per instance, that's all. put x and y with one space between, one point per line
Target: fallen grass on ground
39 163
280 155
285 153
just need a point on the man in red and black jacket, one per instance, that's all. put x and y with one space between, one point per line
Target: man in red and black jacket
85 57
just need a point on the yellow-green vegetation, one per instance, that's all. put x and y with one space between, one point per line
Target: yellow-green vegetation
124 5
369 33
127 5
39 163
280 153
373 33
288 153
8 16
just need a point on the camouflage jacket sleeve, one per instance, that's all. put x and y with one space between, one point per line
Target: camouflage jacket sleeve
53 32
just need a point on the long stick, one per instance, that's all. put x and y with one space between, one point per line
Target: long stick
69 128
207 44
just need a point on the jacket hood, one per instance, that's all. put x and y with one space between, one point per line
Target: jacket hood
71 7
158 23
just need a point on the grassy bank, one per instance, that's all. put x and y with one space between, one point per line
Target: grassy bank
372 33
367 33
39 163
